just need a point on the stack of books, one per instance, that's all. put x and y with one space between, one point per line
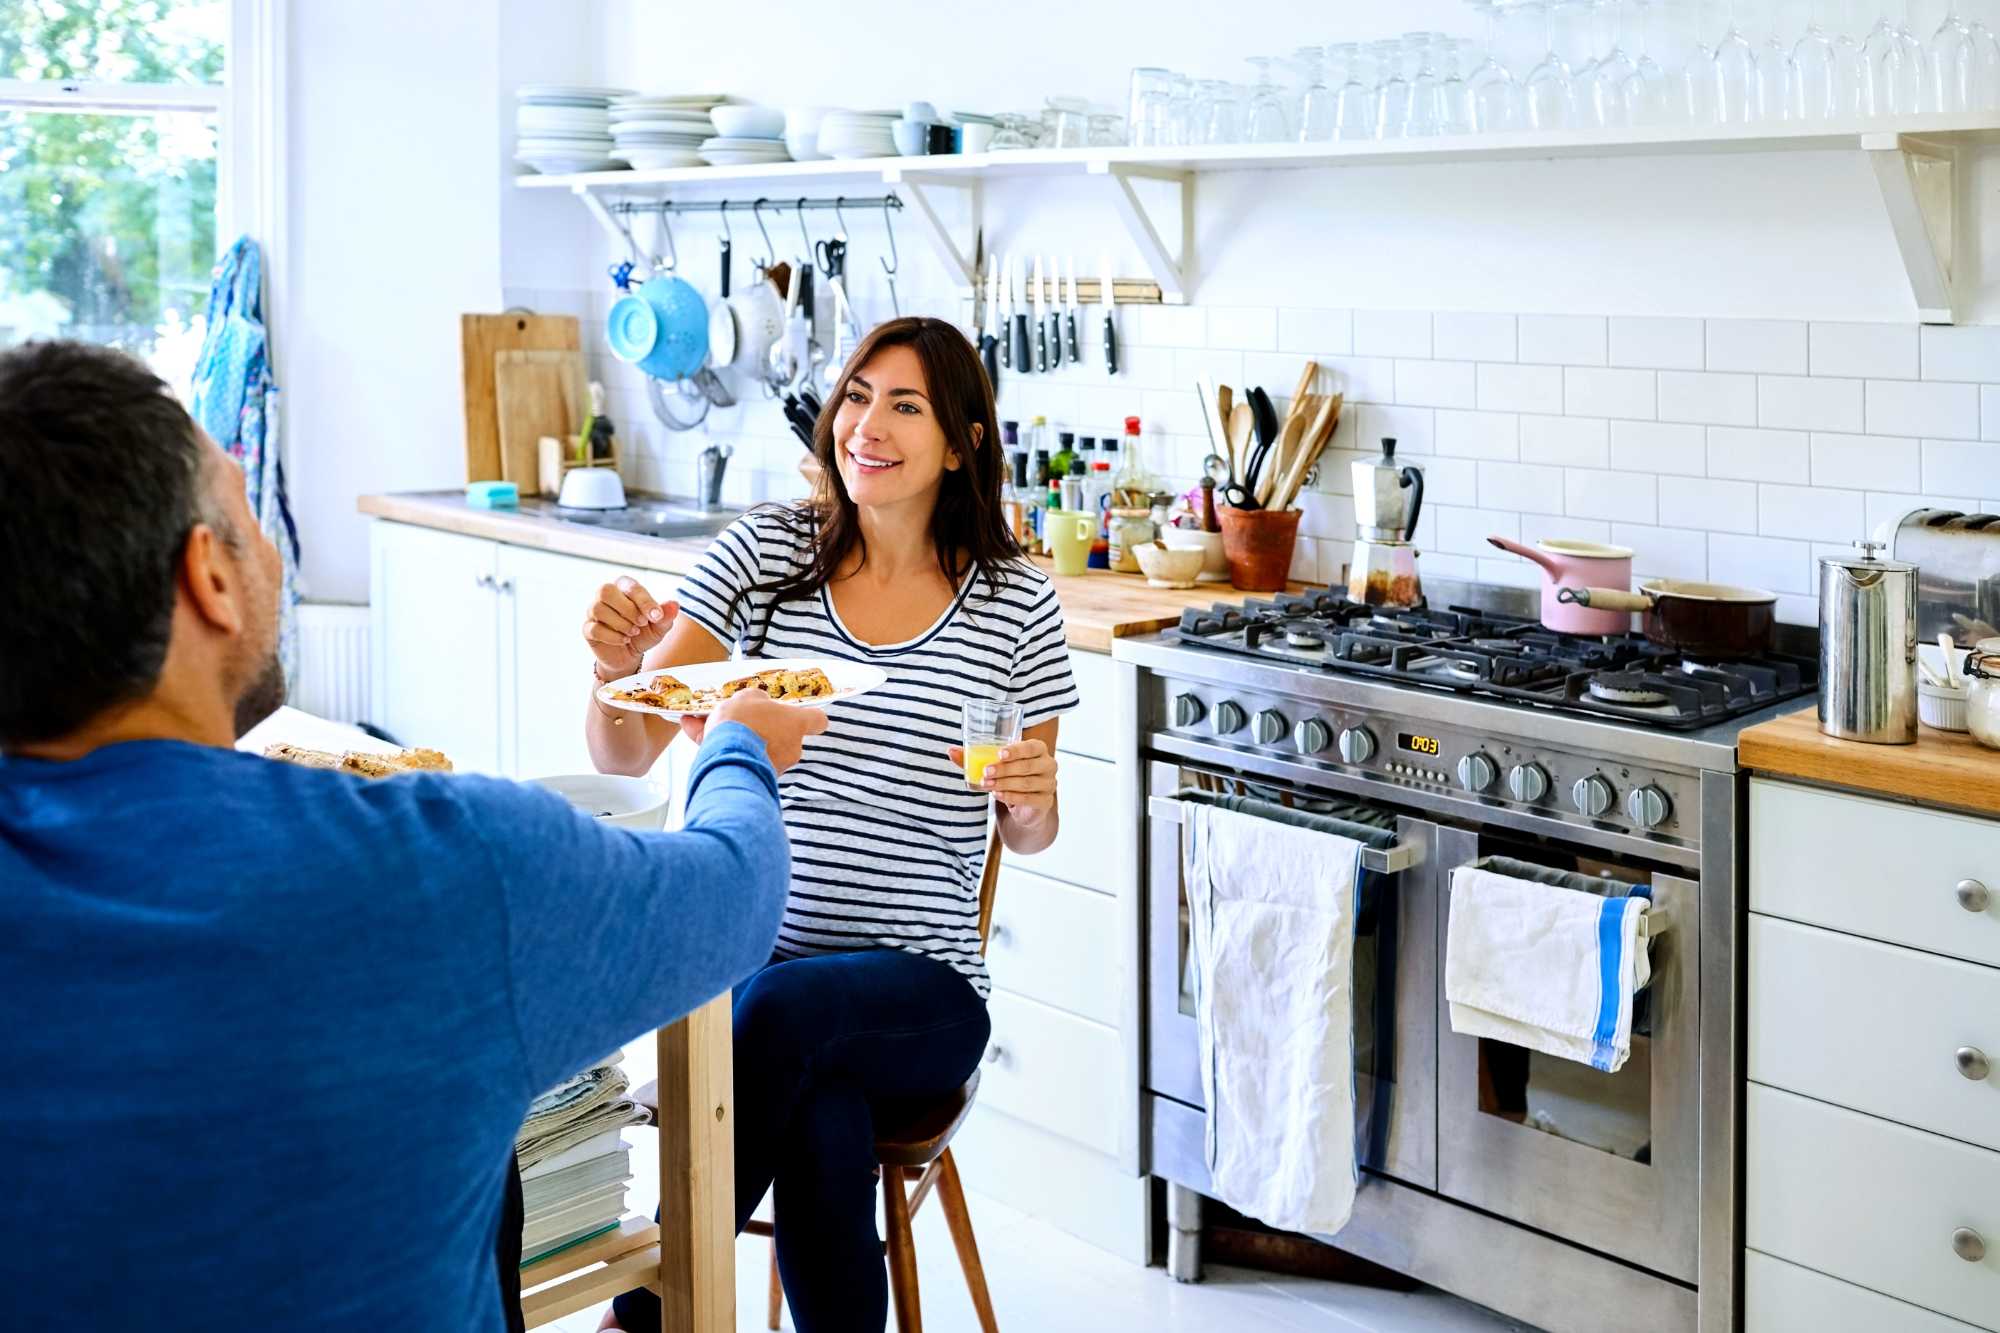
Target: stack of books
575 1164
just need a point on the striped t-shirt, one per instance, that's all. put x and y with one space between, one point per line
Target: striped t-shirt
888 843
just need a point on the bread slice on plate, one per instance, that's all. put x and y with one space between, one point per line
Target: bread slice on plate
417 760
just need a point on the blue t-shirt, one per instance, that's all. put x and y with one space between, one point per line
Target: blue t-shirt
269 1031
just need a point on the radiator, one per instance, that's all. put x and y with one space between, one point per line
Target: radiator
333 662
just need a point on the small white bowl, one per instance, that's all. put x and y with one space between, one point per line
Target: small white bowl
803 145
748 122
1215 562
1169 566
1941 707
633 803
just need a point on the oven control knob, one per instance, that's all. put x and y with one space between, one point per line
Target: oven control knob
1312 736
1528 782
1229 718
1269 727
1357 746
1592 796
1188 710
1648 806
1476 772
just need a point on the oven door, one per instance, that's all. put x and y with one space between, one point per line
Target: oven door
1395 978
1609 1161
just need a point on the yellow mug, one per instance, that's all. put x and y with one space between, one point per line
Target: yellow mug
1069 535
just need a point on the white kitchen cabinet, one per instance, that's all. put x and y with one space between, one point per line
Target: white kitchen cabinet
1872 1203
1084 852
1784 1298
434 640
1047 943
1053 1069
1091 728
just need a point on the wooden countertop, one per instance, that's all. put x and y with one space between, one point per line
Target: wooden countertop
1946 768
1098 607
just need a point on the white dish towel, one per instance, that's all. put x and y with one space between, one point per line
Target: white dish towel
1548 968
1272 911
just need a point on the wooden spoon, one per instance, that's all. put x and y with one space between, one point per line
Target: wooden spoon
1287 446
1242 423
1223 399
1317 437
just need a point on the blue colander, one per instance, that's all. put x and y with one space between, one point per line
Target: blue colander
662 328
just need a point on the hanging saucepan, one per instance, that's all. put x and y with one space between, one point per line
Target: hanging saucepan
1708 619
1564 561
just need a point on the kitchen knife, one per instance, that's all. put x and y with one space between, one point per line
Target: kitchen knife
1041 321
1007 314
1055 314
989 342
1022 362
1110 315
1075 353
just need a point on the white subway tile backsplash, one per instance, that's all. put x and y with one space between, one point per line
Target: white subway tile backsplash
1662 447
1961 352
1631 394
1810 511
1170 411
1663 553
1450 481
1758 346
1509 571
1797 610
1215 366
1435 383
1653 343
1527 488
1412 428
1700 502
1460 531
1759 455
1942 411
1989 411
1305 562
1316 332
1392 332
1509 388
1966 468
1364 379
1141 367
1162 325
1537 527
1326 515
1565 441
1859 462
1760 562
1864 351
1440 566
1490 435
1244 328
1627 497
1563 340
1798 403
1468 336
1709 400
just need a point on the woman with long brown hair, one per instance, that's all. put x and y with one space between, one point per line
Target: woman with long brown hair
901 559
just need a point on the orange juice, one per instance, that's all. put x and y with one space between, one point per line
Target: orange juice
977 757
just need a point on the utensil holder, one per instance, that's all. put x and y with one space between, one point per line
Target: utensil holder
1258 545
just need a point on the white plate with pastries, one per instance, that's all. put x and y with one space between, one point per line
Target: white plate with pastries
698 688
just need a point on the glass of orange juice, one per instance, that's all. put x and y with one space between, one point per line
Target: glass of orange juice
989 725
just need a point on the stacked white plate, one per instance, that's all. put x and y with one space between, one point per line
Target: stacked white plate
722 151
661 131
852 134
746 136
561 128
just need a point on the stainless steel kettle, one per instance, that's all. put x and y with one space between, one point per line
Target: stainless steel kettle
1868 648
1387 498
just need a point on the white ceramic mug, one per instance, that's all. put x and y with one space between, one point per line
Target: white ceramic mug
974 137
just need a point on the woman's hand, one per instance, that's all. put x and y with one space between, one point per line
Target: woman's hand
1023 779
624 624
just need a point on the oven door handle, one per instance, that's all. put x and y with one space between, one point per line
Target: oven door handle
1381 860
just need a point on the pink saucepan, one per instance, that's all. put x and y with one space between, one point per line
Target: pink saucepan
1565 563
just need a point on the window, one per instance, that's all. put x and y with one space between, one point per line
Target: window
110 127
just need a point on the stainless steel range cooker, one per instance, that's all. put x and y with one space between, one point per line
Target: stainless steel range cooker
1577 1200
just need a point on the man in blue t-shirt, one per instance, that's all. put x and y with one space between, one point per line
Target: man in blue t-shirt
270 1030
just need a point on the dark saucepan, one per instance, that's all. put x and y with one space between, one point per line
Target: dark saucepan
1705 618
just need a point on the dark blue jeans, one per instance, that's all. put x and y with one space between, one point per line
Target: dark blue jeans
819 1043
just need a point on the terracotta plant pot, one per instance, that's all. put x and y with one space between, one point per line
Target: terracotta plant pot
1258 544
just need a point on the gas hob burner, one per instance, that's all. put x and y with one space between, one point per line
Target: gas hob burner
1303 639
1628 688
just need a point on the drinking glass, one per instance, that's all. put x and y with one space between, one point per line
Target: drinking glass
1317 109
1651 102
1614 90
1454 101
1420 58
1892 63
1548 94
1817 92
1354 99
1493 95
1014 132
1392 90
986 726
1735 75
1068 122
1269 122
1225 113
1954 64
1987 38
1151 88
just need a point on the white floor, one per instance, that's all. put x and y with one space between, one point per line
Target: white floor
1044 1281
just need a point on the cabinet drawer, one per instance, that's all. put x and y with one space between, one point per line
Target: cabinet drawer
1054 1070
1089 842
1783 1298
1064 1184
1872 1203
1091 729
1867 867
1874 1027
1053 942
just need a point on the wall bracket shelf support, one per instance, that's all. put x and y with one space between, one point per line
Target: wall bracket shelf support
1173 269
915 188
1918 180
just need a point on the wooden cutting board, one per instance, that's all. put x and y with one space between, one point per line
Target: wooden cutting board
535 393
480 338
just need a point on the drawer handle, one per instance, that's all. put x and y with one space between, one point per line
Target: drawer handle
1968 1245
1972 1063
1973 896
994 1054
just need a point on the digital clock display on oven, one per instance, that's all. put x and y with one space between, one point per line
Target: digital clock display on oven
1417 744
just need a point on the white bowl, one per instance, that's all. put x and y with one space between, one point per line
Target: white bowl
748 122
803 145
1215 562
592 488
806 118
1940 707
634 803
